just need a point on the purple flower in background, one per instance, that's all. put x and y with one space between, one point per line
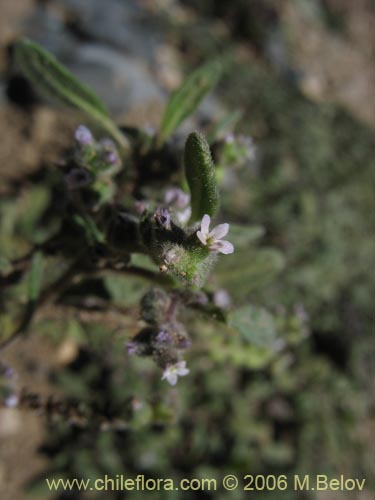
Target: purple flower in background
212 239
112 157
164 337
183 342
109 151
83 136
177 198
132 348
7 371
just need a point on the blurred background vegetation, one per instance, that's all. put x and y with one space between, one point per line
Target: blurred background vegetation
299 401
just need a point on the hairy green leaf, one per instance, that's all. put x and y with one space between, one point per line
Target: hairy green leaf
186 98
201 177
255 325
53 79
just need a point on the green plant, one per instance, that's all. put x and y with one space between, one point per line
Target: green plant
160 235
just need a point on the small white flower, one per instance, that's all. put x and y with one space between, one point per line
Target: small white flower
172 372
213 238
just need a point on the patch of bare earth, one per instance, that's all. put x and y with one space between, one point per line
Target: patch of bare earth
337 65
22 429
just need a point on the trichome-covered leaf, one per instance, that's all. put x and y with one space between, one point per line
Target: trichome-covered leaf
254 324
201 177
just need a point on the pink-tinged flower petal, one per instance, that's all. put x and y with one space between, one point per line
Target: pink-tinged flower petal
219 231
181 369
205 224
202 237
224 247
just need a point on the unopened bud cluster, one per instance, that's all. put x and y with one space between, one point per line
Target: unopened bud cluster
164 338
93 165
